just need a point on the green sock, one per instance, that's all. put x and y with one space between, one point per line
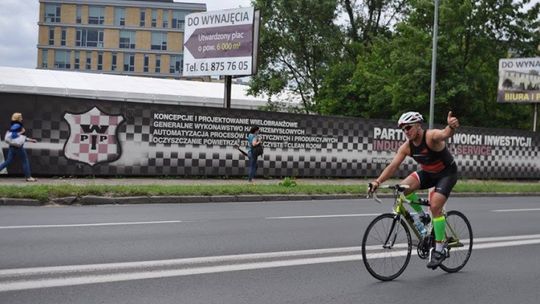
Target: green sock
439 225
414 202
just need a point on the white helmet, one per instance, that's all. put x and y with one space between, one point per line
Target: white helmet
410 118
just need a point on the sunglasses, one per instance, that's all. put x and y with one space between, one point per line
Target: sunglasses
406 128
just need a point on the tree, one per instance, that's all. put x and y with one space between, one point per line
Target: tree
297 41
473 36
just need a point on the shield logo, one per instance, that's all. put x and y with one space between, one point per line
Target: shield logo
93 139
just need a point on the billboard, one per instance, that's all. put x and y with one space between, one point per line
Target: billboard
519 80
85 137
220 43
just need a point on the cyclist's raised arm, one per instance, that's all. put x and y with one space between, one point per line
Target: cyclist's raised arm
439 135
389 171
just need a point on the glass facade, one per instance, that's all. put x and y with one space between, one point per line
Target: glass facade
127 40
142 17
159 41
77 61
88 60
129 62
89 38
61 59
53 12
175 66
178 19
165 22
96 15
45 59
119 16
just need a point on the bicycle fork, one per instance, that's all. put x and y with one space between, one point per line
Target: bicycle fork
392 234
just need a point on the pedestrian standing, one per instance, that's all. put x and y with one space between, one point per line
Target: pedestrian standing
16 139
253 147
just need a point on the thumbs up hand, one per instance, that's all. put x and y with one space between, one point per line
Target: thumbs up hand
452 121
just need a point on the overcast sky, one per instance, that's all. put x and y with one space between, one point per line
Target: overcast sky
19 29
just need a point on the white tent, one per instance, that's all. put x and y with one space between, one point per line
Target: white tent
123 88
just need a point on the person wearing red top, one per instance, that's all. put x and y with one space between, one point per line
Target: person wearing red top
438 170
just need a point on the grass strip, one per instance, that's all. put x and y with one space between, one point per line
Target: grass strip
46 193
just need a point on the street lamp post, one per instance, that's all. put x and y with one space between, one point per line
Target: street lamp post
433 64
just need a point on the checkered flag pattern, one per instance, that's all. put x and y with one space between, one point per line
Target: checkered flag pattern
349 151
93 137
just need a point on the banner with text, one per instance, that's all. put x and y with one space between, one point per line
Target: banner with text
519 80
95 137
220 43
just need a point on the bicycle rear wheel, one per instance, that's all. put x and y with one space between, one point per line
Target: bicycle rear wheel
460 241
386 247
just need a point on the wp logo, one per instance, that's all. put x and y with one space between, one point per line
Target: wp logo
93 137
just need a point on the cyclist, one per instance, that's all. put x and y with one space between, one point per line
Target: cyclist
438 169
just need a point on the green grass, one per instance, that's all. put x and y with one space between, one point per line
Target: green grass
45 193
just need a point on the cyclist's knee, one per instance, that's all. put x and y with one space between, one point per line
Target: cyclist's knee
437 203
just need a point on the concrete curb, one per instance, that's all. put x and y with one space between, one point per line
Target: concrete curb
193 199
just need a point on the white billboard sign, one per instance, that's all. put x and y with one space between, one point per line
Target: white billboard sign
519 80
219 43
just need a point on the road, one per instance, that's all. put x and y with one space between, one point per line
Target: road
265 252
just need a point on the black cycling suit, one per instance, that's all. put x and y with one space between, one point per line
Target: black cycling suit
439 169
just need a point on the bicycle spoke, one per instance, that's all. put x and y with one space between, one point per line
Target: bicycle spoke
386 263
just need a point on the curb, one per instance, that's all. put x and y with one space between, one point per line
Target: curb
194 199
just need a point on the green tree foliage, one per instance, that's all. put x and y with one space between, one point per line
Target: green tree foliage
297 42
381 56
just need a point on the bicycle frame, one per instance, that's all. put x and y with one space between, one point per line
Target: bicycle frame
400 210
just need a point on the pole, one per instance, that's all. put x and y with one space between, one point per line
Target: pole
535 116
433 64
227 98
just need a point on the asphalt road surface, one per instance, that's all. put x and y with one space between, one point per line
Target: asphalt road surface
265 252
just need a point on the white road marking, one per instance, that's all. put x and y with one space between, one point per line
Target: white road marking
89 225
516 210
319 216
45 277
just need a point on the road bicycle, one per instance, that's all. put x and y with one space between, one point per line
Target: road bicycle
387 242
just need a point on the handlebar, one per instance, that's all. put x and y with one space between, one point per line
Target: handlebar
398 188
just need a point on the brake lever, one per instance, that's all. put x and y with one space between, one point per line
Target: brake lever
376 198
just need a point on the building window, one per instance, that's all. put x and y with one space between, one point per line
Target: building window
127 40
165 19
129 62
175 65
143 17
45 59
51 36
178 19
113 65
61 60
119 16
154 18
53 12
63 41
159 41
89 38
158 64
146 62
77 62
100 61
88 60
96 15
79 15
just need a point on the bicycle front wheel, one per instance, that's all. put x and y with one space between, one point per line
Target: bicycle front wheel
386 247
459 236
